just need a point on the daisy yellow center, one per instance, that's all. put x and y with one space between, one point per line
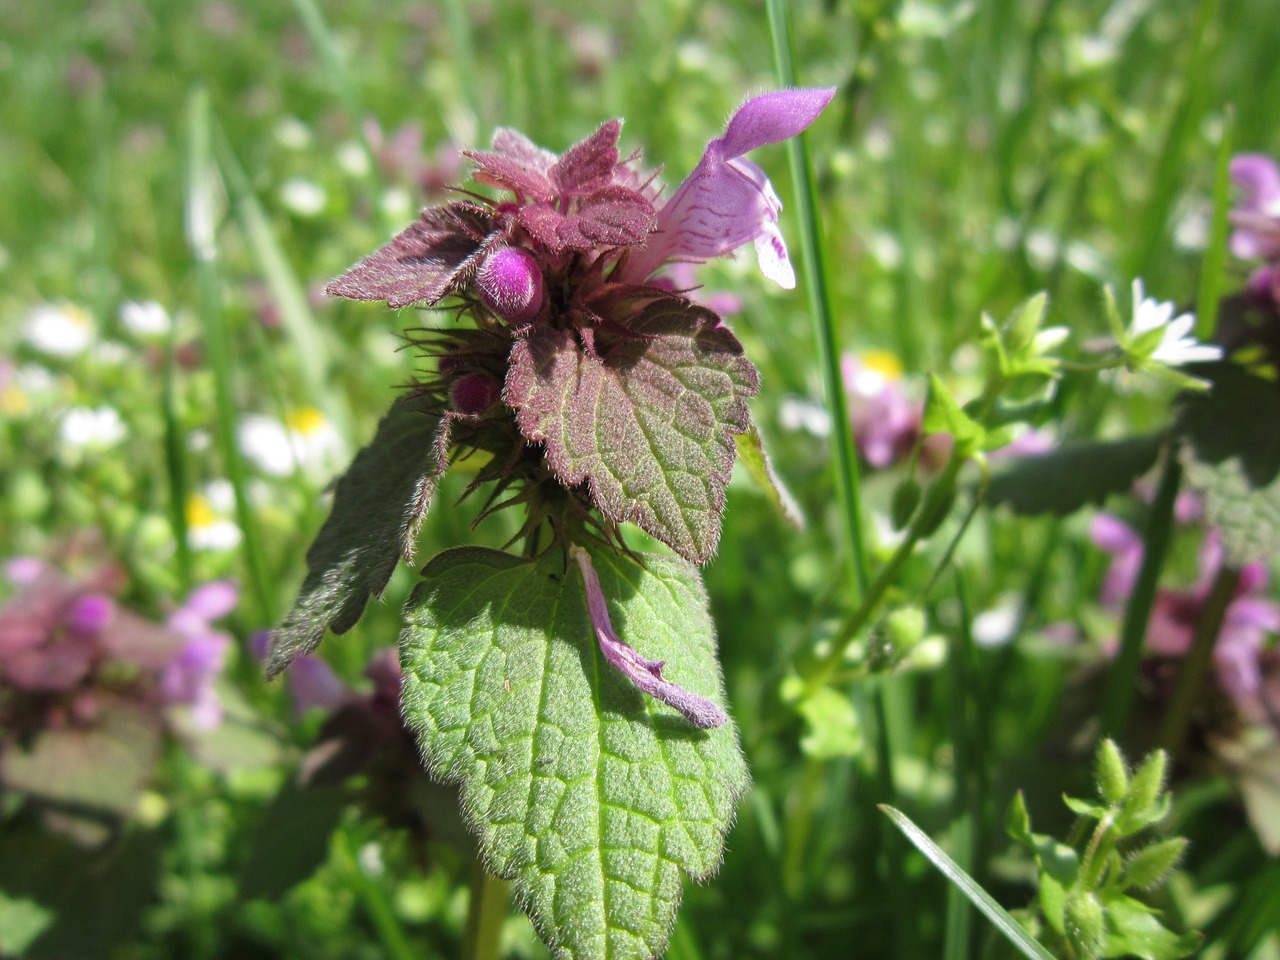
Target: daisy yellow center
884 363
306 421
200 513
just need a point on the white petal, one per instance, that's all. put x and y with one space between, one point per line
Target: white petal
771 252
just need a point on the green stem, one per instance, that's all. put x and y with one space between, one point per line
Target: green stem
820 306
374 899
1120 684
1196 663
798 823
936 502
489 898
202 238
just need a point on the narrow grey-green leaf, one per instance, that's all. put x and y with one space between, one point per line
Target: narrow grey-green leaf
378 506
1234 433
591 796
997 914
755 459
1064 480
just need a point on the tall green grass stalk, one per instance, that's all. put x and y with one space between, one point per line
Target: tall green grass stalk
310 342
1121 682
201 227
1215 255
335 68
820 306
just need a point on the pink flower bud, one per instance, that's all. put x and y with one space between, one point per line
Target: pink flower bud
511 284
474 393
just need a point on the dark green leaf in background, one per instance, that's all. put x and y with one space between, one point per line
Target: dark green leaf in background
378 507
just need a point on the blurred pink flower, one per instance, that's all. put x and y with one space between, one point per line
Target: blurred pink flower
886 421
189 678
1237 654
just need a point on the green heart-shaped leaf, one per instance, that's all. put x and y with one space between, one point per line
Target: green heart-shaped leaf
591 796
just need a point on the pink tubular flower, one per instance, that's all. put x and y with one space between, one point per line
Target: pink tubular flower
1125 546
728 201
190 676
645 674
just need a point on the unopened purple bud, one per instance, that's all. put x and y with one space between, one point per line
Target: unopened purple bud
474 393
511 284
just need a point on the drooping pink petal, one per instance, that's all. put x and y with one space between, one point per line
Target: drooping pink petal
214 600
645 674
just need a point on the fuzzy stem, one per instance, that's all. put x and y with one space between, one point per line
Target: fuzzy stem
487 913
1196 663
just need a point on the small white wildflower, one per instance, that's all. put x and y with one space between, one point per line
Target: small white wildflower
797 413
59 329
396 202
145 318
292 134
303 197
353 158
208 526
306 440
996 627
85 427
1176 345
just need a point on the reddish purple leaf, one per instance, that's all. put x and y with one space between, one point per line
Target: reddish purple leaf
648 422
429 260
588 166
515 163
615 217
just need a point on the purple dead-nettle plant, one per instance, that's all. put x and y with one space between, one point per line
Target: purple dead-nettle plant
600 394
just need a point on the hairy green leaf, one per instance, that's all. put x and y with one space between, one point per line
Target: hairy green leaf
378 506
760 468
1064 480
1234 434
1133 931
592 797
646 418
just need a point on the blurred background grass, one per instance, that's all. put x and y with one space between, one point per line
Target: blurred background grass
976 153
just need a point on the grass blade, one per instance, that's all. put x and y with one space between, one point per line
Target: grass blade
820 306
201 224
1215 254
311 343
968 886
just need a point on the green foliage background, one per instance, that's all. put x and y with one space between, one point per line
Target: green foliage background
976 153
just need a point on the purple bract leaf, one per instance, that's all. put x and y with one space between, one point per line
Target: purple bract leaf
515 163
611 217
647 421
424 263
645 674
588 166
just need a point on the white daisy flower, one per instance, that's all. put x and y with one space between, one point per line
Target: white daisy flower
59 329
209 525
305 440
1176 345
303 197
86 427
145 318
